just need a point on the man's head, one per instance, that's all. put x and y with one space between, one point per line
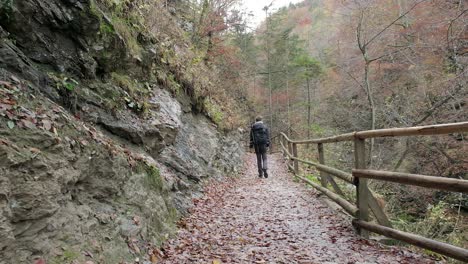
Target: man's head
258 118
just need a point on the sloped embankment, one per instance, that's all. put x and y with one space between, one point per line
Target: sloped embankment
97 158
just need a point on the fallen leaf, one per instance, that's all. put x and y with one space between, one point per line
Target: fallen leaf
46 124
39 261
10 115
88 254
11 124
6 84
134 247
15 79
35 150
28 124
153 259
216 261
5 106
136 220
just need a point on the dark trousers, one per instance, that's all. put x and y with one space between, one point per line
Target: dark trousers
261 152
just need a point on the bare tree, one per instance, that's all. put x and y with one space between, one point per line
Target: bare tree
364 45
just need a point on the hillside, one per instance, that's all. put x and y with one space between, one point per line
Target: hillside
108 127
124 126
342 66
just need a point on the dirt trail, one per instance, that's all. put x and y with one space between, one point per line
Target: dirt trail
274 220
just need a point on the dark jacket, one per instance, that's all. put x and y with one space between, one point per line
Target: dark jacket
256 127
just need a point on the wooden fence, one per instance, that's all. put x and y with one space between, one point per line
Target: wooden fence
365 198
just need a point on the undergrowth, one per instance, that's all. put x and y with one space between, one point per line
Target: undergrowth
444 219
172 49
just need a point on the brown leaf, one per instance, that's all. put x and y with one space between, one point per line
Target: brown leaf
136 220
6 84
46 124
134 247
10 115
88 254
28 124
154 259
9 101
39 261
35 150
5 106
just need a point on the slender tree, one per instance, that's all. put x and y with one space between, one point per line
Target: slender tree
311 69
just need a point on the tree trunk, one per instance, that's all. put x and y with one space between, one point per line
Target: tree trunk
288 132
308 110
370 99
269 75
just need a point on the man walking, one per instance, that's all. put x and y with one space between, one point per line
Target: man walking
260 140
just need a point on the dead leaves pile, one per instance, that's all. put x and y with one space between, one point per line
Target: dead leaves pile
20 116
274 220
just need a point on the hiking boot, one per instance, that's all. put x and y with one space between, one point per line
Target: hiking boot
260 174
265 174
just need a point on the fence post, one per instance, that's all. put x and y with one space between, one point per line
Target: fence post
362 191
296 163
321 158
285 145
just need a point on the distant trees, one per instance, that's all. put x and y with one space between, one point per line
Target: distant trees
210 19
288 71
328 67
310 69
384 63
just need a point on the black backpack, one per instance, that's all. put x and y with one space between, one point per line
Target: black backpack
260 135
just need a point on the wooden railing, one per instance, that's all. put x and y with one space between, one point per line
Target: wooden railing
365 198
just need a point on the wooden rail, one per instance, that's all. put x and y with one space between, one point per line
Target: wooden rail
436 246
391 132
351 209
366 202
439 183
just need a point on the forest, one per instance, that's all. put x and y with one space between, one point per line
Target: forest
124 129
322 68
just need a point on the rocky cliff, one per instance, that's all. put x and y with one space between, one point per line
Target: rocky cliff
106 132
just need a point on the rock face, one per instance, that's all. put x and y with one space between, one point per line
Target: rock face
85 174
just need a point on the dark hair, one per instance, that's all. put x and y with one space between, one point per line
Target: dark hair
258 118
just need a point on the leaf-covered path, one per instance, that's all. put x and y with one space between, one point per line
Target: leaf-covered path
274 220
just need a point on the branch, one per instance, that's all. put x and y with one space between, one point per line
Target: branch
449 29
352 77
391 24
387 54
438 105
358 33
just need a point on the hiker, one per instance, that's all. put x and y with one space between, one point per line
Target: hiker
260 139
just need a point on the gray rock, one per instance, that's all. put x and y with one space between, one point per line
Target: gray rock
72 197
3 33
33 200
128 228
